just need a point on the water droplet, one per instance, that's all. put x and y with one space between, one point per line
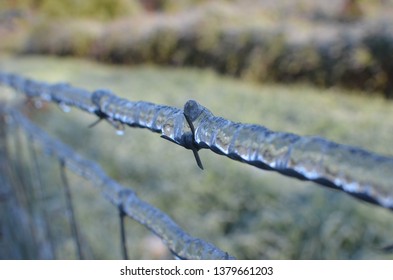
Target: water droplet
65 108
46 96
120 132
37 103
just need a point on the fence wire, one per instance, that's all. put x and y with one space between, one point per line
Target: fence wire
355 171
180 243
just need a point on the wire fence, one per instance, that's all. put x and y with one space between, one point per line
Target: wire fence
360 173
178 241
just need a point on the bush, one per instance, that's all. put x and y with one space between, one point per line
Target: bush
351 55
76 39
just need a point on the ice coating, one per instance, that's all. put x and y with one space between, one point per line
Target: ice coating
178 241
361 173
358 172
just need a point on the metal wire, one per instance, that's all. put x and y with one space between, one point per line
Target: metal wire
178 241
123 235
38 184
360 173
70 211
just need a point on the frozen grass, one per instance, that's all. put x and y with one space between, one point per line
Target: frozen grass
248 212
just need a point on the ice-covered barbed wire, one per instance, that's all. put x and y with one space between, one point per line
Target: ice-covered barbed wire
360 173
180 243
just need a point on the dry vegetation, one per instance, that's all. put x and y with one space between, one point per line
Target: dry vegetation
346 43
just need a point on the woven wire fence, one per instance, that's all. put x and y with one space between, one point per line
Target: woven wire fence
357 172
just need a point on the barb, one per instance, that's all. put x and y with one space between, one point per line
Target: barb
177 240
360 173
191 140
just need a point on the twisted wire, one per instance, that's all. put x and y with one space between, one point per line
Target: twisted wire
355 171
177 240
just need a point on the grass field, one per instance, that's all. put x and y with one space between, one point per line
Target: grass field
248 212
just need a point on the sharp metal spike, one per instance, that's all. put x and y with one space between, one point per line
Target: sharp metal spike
193 145
95 123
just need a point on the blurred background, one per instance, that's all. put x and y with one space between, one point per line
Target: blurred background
310 67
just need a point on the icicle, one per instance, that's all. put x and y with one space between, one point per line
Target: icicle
65 108
37 103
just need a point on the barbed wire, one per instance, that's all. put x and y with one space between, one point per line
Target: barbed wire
358 172
180 243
